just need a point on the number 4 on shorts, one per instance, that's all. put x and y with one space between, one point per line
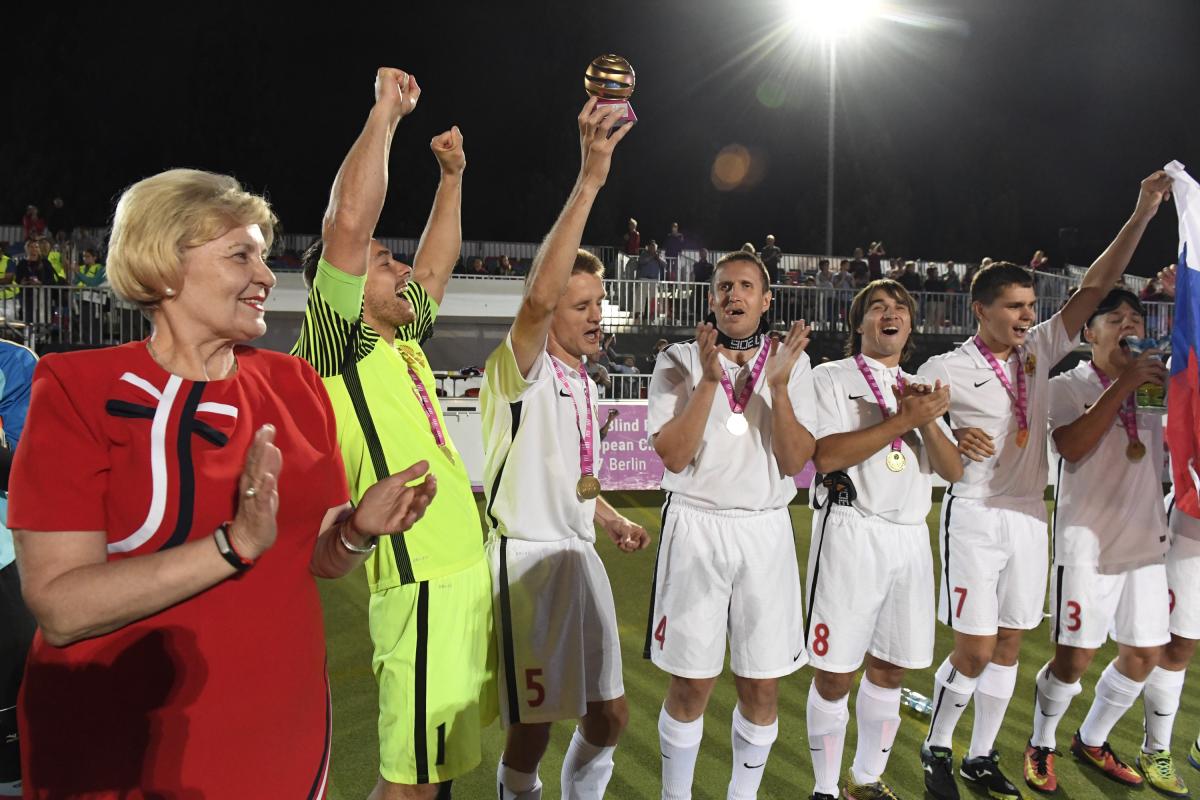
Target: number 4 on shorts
660 633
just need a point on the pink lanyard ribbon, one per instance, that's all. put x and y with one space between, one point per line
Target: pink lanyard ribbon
1127 413
585 431
435 425
1020 397
739 405
883 407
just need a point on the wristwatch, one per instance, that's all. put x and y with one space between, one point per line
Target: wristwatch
227 551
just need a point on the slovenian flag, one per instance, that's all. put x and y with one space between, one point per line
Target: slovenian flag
1183 393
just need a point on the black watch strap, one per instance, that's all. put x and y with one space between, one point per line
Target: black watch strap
225 548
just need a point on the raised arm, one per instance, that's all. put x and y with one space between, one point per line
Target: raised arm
1108 268
551 268
356 199
441 242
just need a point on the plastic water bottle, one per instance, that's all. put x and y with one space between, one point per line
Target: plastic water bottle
921 705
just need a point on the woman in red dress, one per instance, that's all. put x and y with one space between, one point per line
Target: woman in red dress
172 502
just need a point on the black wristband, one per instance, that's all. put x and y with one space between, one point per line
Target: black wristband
227 551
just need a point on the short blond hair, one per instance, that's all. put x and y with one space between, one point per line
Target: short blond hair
159 217
587 262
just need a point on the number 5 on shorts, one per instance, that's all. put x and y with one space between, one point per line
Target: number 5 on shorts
532 685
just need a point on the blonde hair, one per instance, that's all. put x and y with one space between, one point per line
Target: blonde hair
588 262
159 217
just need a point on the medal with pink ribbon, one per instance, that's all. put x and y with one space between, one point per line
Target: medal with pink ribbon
588 485
1135 450
435 425
1020 397
895 459
736 424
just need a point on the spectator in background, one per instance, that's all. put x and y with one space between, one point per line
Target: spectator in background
935 299
771 256
631 242
476 267
1039 261
93 304
969 276
953 281
631 246
824 278
613 361
844 278
875 254
749 248
859 267
34 225
504 267
1152 292
672 247
909 278
702 270
650 360
651 265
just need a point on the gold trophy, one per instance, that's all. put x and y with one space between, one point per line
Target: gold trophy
610 79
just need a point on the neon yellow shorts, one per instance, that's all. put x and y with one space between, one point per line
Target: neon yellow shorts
435 662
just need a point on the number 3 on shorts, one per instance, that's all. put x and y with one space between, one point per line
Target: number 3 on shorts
532 685
660 633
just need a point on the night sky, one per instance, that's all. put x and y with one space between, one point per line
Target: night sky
965 129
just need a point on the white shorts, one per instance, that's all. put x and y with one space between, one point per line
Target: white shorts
725 574
870 589
1183 578
557 629
994 562
1087 607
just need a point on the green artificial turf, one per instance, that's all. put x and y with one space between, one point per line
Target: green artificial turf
789 771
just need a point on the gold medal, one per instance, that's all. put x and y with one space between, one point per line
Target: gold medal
588 487
447 452
1022 437
1136 451
1031 364
896 461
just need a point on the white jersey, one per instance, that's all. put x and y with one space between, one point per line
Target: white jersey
1108 510
846 403
531 442
979 400
728 471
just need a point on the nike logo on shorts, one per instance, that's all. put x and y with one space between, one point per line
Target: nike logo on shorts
1160 714
981 383
815 749
756 766
797 656
1086 406
960 705
886 750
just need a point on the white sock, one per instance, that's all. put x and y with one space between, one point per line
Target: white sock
993 691
1114 695
1051 701
515 785
951 692
586 769
877 712
1160 697
679 743
751 746
826 737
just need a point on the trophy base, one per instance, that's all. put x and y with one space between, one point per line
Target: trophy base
626 118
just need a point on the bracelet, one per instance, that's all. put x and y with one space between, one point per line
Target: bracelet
227 550
370 548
